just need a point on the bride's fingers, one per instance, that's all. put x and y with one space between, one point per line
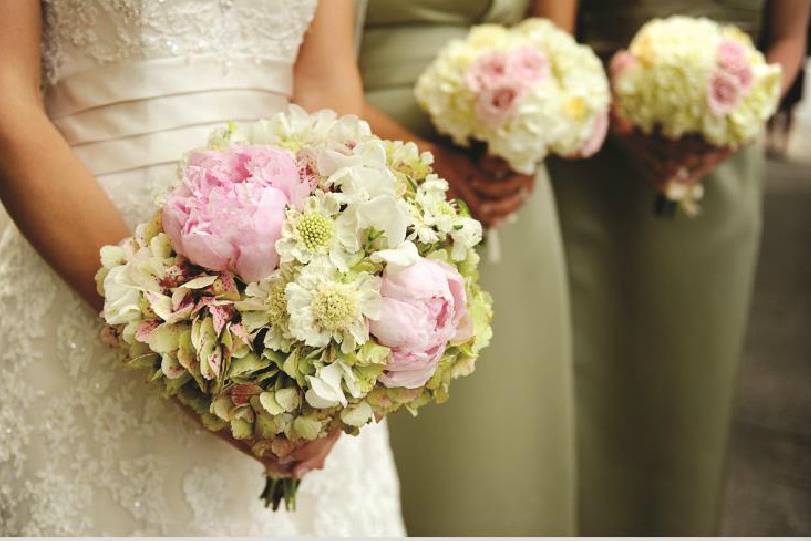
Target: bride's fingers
312 456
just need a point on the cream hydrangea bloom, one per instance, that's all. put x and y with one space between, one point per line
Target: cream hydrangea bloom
558 113
667 80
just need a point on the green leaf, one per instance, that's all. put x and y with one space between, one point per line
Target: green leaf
357 414
270 404
147 360
373 353
222 408
266 428
165 338
288 399
247 364
200 282
307 428
241 430
254 320
212 422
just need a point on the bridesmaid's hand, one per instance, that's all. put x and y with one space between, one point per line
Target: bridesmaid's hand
661 160
489 188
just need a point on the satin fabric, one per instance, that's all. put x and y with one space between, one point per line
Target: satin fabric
659 312
497 458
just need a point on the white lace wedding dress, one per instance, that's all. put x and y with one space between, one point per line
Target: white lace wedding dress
86 448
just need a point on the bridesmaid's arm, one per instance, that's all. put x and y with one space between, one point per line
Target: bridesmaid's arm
788 21
326 74
488 187
561 12
54 200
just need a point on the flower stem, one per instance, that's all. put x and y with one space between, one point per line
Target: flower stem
664 206
278 490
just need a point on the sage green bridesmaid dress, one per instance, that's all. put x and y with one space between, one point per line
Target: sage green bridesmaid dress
659 310
497 458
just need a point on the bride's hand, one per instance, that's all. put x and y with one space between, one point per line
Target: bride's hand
489 188
305 458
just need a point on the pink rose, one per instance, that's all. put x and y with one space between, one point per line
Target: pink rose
496 106
487 72
732 58
723 93
620 63
228 213
596 137
424 307
528 65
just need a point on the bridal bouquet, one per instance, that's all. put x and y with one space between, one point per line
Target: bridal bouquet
693 81
524 92
304 277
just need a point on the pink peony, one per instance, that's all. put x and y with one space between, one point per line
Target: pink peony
228 213
488 71
723 92
732 58
424 307
496 106
528 65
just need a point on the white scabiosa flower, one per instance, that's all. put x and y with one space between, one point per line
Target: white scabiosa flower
265 306
325 305
312 232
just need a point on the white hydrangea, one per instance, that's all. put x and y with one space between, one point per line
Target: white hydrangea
666 84
558 114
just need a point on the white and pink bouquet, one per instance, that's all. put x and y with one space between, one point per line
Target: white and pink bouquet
524 91
696 82
305 277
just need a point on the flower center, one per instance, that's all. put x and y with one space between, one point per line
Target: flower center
315 230
576 108
277 303
333 308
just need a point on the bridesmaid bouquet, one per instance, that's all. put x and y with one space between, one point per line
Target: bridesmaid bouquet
524 92
692 87
305 277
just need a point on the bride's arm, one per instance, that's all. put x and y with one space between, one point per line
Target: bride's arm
52 197
326 74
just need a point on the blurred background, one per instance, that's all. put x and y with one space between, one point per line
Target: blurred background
769 479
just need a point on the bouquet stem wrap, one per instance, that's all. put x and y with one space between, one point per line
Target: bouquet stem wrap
278 490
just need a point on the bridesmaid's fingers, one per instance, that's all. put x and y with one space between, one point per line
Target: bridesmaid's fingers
495 168
509 186
499 210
